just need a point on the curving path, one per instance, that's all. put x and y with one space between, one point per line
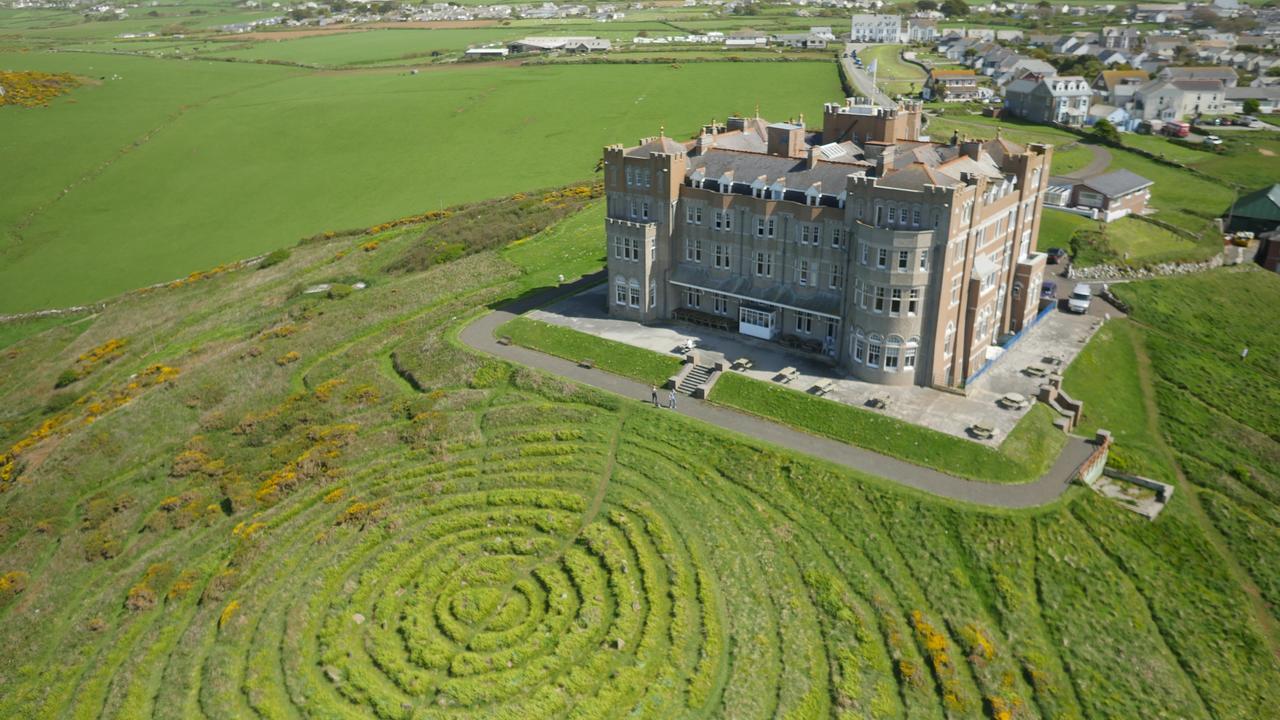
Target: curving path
1098 165
479 334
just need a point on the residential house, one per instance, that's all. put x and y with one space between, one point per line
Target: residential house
1165 46
950 85
1225 75
1163 99
1115 115
806 41
1059 100
1268 99
876 28
922 30
1113 195
1115 87
1022 67
561 43
1121 38
898 260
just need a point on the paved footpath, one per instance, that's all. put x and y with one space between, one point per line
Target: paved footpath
480 335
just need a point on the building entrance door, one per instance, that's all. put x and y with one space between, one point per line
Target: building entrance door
758 323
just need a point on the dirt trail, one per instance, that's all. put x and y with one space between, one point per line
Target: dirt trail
1266 623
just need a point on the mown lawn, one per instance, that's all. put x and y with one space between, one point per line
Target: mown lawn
1131 241
175 167
1057 228
571 248
1024 455
615 357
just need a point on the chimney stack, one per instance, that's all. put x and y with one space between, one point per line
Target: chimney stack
813 156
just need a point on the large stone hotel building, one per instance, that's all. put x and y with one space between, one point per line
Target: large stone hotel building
899 260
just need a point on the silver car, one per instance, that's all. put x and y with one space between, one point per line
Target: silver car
1081 294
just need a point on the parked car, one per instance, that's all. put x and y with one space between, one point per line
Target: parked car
1212 140
1049 290
1056 255
1250 122
1081 295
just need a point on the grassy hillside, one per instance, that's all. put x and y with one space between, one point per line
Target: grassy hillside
248 500
169 166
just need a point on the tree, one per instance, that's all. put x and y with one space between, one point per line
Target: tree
1252 106
1203 17
954 8
1105 132
926 5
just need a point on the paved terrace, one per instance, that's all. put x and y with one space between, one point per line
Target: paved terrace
480 335
1058 335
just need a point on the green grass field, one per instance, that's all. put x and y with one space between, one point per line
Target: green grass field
1058 227
270 154
282 524
893 75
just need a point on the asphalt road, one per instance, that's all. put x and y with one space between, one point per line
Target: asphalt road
480 335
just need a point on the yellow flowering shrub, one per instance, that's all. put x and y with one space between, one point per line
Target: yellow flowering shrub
31 88
227 613
290 357
12 584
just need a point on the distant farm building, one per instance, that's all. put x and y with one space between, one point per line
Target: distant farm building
563 44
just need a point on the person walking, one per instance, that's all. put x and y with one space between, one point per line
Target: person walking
672 399
653 394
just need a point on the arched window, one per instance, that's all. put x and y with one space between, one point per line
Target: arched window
875 350
909 353
949 341
892 353
620 290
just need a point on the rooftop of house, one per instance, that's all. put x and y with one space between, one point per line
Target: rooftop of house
1117 183
1198 85
945 74
1112 78
1199 73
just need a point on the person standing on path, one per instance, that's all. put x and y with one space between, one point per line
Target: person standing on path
672 403
653 395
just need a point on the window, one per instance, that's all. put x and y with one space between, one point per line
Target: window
645 208
913 301
693 215
909 355
620 291
804 322
865 251
837 276
693 250
802 272
805 232
874 349
949 342
892 352
859 347
759 227
915 217
635 294
893 214
692 298
764 264
1017 290
879 306
629 176
617 247
653 252
955 289
720 304
859 293
724 220
633 208
924 259
722 257
769 226
835 237
904 260
882 258
895 301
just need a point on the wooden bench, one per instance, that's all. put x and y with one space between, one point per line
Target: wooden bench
822 387
504 340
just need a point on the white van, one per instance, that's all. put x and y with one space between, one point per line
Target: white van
1078 303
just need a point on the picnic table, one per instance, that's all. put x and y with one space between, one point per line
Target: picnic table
1013 401
876 403
1036 371
787 374
822 387
742 364
984 432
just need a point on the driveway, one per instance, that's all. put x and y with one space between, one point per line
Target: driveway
479 335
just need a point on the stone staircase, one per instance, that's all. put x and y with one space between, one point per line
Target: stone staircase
697 375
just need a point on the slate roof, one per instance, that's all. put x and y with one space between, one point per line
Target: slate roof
794 172
1118 183
1112 78
1198 85
658 145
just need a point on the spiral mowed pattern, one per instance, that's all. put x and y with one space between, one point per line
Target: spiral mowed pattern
546 558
